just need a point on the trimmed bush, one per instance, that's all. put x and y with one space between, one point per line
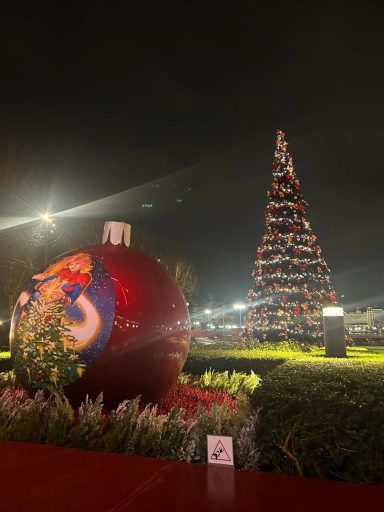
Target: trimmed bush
5 361
323 419
262 358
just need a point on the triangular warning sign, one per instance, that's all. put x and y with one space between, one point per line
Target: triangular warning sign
220 453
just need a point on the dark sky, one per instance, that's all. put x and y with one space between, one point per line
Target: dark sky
104 96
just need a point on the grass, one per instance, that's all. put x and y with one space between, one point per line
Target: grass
375 349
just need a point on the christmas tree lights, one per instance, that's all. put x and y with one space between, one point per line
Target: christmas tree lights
291 277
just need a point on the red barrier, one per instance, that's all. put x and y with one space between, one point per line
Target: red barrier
39 477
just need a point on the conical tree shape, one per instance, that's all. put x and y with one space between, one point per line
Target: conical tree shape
291 277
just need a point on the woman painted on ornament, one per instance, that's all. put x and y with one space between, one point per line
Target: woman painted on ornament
64 280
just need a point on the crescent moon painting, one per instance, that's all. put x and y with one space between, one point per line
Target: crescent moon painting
63 321
86 330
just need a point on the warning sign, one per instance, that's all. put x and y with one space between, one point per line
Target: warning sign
220 450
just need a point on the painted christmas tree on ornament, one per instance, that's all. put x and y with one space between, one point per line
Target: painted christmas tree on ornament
102 319
291 277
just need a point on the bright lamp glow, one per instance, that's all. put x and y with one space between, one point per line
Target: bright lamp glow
46 217
333 311
239 305
207 311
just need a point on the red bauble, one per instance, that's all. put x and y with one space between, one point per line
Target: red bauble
129 320
149 342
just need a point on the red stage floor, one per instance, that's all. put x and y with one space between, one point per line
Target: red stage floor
46 478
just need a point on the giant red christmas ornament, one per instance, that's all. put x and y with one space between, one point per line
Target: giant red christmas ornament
105 318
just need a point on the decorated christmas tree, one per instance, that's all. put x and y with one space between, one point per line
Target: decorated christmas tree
291 277
44 348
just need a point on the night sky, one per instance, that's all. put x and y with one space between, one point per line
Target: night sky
180 101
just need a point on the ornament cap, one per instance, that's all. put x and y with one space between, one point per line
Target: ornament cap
117 233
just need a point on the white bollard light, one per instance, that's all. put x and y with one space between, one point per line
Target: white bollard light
334 331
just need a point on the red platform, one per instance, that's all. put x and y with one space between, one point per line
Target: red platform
50 479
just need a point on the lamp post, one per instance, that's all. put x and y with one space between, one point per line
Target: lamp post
334 331
208 313
240 306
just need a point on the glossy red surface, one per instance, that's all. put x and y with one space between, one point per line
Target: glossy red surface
38 477
149 341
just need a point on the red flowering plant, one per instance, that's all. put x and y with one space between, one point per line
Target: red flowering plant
189 398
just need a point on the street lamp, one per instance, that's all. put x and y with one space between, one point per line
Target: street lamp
240 306
46 217
208 313
334 331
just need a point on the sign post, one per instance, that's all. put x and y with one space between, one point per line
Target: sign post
220 450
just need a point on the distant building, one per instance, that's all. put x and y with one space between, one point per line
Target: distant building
361 322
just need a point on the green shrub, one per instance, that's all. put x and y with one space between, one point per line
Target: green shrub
59 421
128 429
7 379
21 417
88 428
323 419
233 384
122 423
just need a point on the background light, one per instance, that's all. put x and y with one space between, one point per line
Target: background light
239 305
333 311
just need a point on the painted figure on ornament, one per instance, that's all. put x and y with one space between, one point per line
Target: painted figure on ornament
64 280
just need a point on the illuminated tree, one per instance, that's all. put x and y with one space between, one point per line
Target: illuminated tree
291 277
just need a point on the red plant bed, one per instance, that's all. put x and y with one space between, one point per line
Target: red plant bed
189 398
181 395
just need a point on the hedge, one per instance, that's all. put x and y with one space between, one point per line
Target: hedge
5 362
261 360
322 419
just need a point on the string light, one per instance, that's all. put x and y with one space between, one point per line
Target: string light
291 276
